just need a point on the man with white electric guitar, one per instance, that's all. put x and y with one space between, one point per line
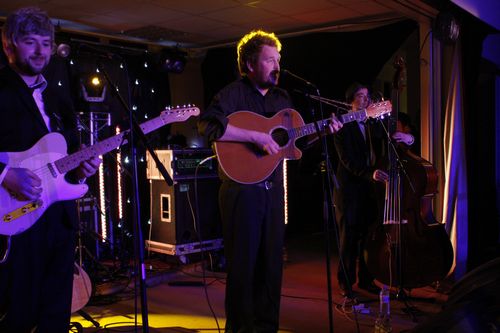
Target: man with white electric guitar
37 275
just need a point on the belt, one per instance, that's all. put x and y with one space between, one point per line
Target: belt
267 184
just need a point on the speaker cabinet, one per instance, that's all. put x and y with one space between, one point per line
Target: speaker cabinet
173 212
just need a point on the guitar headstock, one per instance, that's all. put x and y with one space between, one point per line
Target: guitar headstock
171 115
379 109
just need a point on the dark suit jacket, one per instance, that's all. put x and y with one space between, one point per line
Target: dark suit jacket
21 124
355 199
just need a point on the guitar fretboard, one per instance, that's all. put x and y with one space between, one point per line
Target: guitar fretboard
353 116
72 161
309 129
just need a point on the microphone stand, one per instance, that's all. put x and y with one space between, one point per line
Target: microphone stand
327 172
136 133
328 209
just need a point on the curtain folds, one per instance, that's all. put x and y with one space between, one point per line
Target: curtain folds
455 201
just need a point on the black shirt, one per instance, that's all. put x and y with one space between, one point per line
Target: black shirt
240 95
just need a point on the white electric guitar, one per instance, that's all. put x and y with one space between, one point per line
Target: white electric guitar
49 160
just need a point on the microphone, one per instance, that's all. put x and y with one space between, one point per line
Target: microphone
285 72
63 50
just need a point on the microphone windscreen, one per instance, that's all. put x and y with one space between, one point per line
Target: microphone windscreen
63 50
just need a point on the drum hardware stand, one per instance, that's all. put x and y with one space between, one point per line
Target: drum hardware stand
80 248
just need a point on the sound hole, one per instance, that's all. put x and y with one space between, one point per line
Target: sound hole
280 135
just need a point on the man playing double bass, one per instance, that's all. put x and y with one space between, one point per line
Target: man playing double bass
357 146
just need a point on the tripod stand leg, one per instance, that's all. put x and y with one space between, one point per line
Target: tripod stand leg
409 309
86 316
77 326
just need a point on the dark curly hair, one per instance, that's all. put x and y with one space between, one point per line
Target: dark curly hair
25 21
250 45
353 89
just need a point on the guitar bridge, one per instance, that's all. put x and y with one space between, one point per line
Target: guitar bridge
23 210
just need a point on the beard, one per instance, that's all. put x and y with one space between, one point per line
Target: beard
270 80
274 78
31 66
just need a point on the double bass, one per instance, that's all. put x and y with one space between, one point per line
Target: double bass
410 249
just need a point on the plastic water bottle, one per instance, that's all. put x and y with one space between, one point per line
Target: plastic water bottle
383 322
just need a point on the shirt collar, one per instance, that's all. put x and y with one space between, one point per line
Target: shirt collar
252 85
40 84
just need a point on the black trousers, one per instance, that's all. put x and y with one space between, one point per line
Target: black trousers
253 219
356 217
36 282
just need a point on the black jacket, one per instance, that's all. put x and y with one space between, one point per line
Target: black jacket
21 123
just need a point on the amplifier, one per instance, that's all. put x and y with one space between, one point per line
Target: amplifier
173 211
181 164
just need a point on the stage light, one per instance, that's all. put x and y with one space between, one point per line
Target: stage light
447 27
93 88
173 61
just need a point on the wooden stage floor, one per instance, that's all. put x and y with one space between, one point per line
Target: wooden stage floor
178 295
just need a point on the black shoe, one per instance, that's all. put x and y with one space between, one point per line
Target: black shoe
369 287
346 292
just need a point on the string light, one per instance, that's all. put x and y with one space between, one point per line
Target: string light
285 188
102 202
119 180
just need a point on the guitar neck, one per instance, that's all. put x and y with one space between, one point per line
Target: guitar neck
311 128
72 161
353 116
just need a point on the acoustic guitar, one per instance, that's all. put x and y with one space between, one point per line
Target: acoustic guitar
245 163
82 289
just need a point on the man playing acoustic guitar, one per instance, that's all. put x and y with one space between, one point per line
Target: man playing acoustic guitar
252 213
